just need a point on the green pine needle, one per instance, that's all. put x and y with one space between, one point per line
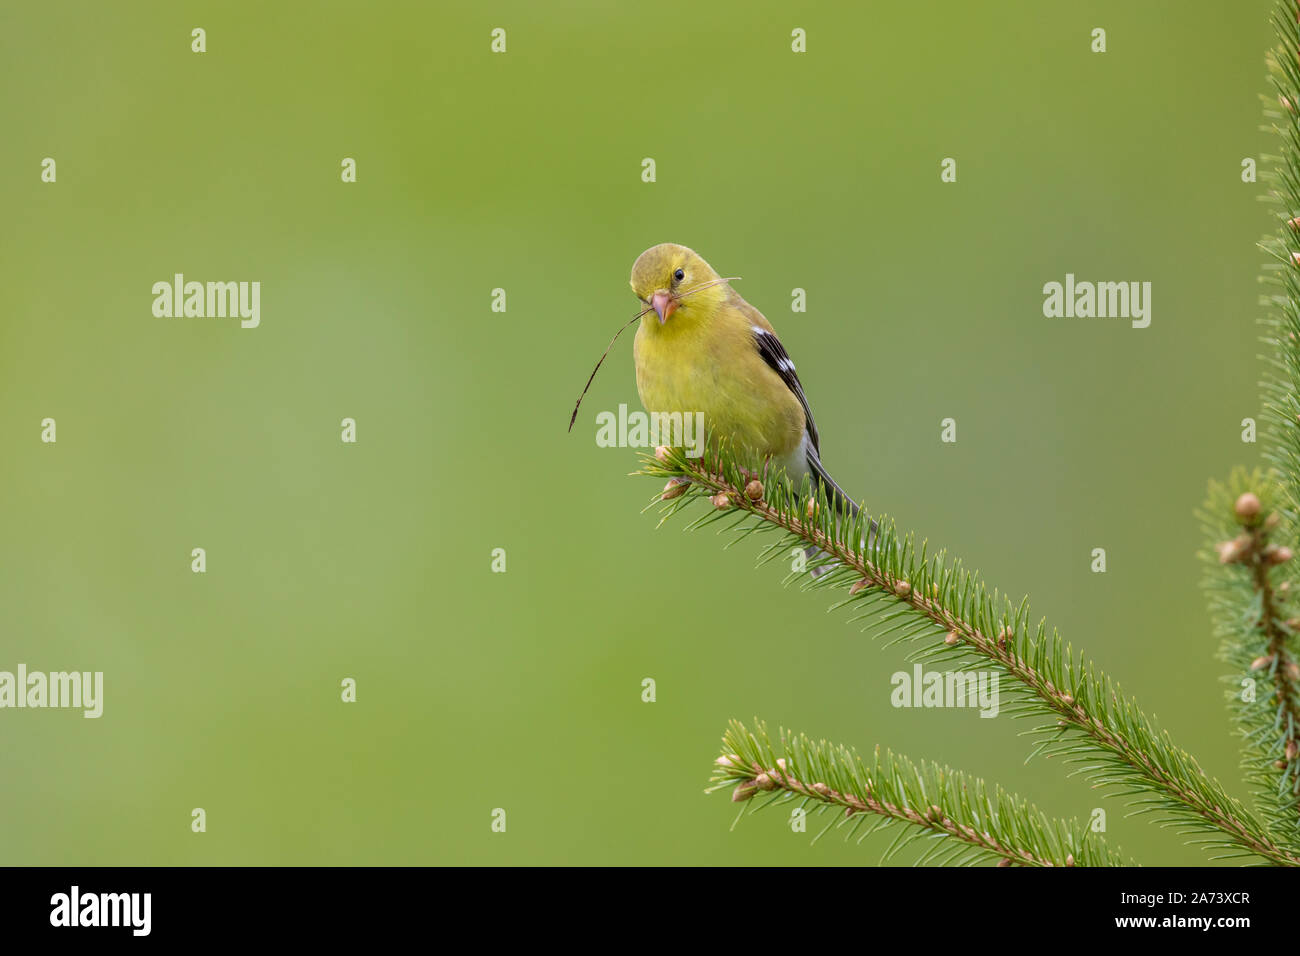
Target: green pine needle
967 821
902 592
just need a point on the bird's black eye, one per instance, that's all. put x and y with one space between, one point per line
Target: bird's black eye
679 275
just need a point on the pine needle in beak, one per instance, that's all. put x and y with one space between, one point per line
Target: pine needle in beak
574 417
699 288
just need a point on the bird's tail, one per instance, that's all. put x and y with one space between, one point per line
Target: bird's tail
840 501
838 497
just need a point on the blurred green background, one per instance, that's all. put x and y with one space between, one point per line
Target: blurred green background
522 171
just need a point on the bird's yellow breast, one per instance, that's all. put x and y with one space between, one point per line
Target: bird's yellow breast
709 363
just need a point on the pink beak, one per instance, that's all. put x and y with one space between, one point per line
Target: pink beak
664 305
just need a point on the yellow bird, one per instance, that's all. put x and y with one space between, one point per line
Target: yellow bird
703 348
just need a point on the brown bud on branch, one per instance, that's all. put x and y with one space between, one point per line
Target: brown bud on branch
674 489
743 791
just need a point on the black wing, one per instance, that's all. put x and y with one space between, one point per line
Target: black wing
778 359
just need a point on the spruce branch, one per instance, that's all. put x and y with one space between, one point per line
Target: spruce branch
1280 389
1246 589
1254 516
965 821
914 596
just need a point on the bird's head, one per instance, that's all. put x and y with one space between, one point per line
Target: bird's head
675 281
